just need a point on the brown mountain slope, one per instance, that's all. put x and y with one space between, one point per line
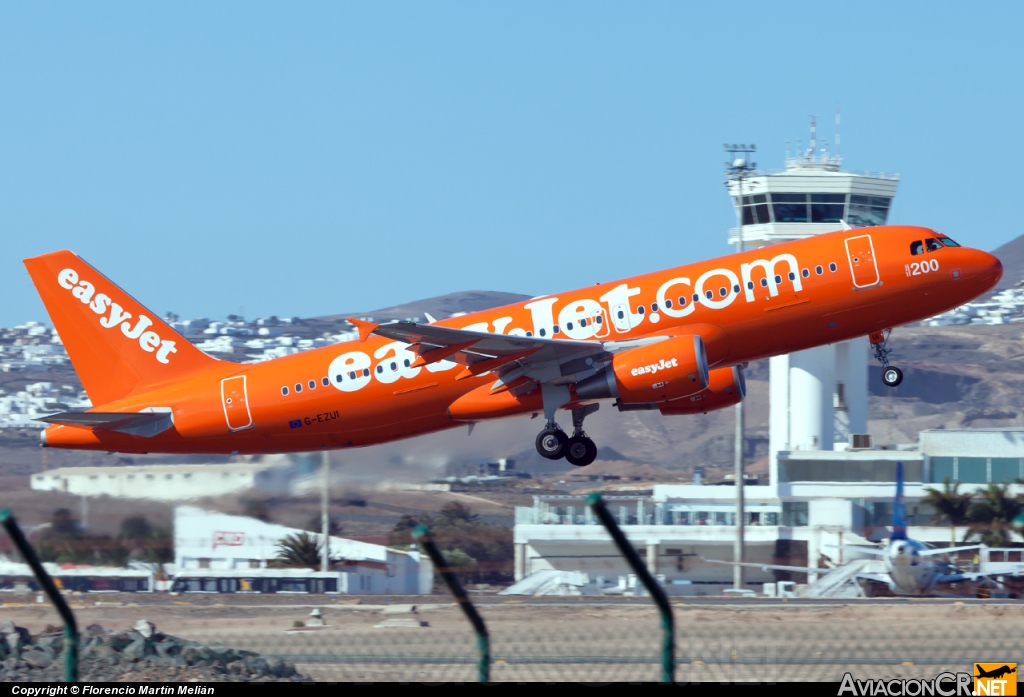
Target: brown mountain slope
1012 256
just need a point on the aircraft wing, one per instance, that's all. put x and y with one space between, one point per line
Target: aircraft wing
947 550
770 567
556 361
975 575
877 551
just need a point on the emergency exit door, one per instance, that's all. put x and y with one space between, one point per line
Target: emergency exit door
861 254
620 318
236 403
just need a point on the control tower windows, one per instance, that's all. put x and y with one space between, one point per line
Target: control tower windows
755 210
827 208
932 244
868 210
916 247
790 208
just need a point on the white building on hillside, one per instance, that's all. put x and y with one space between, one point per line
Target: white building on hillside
161 482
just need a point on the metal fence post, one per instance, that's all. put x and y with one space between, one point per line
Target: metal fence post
483 640
668 646
46 583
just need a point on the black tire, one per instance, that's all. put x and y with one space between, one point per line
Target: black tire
552 443
892 376
580 451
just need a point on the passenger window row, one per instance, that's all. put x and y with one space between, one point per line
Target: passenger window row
598 319
325 381
682 300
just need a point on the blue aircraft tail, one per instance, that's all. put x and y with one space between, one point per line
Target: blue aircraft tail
899 517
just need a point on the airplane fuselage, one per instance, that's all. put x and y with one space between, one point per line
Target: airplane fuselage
909 572
745 306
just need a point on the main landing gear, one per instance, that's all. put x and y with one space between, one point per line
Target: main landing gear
579 450
891 375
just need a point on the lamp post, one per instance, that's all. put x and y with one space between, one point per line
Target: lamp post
737 169
325 517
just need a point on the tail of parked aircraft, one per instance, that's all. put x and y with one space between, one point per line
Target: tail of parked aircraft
116 345
899 517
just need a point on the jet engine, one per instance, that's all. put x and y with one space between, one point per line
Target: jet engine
727 387
670 369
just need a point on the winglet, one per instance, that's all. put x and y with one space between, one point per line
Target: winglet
365 328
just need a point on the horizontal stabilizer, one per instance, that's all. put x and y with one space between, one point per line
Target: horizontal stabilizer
146 423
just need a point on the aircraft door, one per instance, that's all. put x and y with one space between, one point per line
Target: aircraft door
600 320
861 254
620 318
235 400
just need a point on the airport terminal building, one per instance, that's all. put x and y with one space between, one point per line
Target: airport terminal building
812 501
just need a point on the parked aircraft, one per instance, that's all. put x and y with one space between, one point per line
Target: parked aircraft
674 340
911 567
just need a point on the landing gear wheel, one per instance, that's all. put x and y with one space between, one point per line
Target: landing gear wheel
581 451
892 376
552 443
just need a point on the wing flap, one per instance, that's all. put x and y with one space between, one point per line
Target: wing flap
478 348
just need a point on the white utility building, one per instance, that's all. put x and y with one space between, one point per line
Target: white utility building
218 545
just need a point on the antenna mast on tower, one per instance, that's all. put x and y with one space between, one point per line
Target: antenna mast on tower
839 152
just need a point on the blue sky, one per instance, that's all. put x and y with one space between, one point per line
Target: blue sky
312 158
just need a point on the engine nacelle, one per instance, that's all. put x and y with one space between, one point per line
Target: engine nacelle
727 387
670 369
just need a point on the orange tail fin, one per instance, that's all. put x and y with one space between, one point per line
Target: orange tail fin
115 344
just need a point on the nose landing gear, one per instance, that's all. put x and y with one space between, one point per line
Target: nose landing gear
891 375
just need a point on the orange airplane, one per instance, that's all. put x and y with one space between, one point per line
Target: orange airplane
673 340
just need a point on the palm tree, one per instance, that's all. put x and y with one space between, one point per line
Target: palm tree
315 524
991 517
950 505
300 549
454 514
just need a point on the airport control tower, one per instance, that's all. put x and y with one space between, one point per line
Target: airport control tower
818 397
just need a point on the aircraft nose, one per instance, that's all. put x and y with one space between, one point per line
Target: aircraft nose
985 269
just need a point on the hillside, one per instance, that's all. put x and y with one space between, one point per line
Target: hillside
1012 256
956 376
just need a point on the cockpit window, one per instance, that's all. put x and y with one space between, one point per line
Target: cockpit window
932 244
917 247
948 242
